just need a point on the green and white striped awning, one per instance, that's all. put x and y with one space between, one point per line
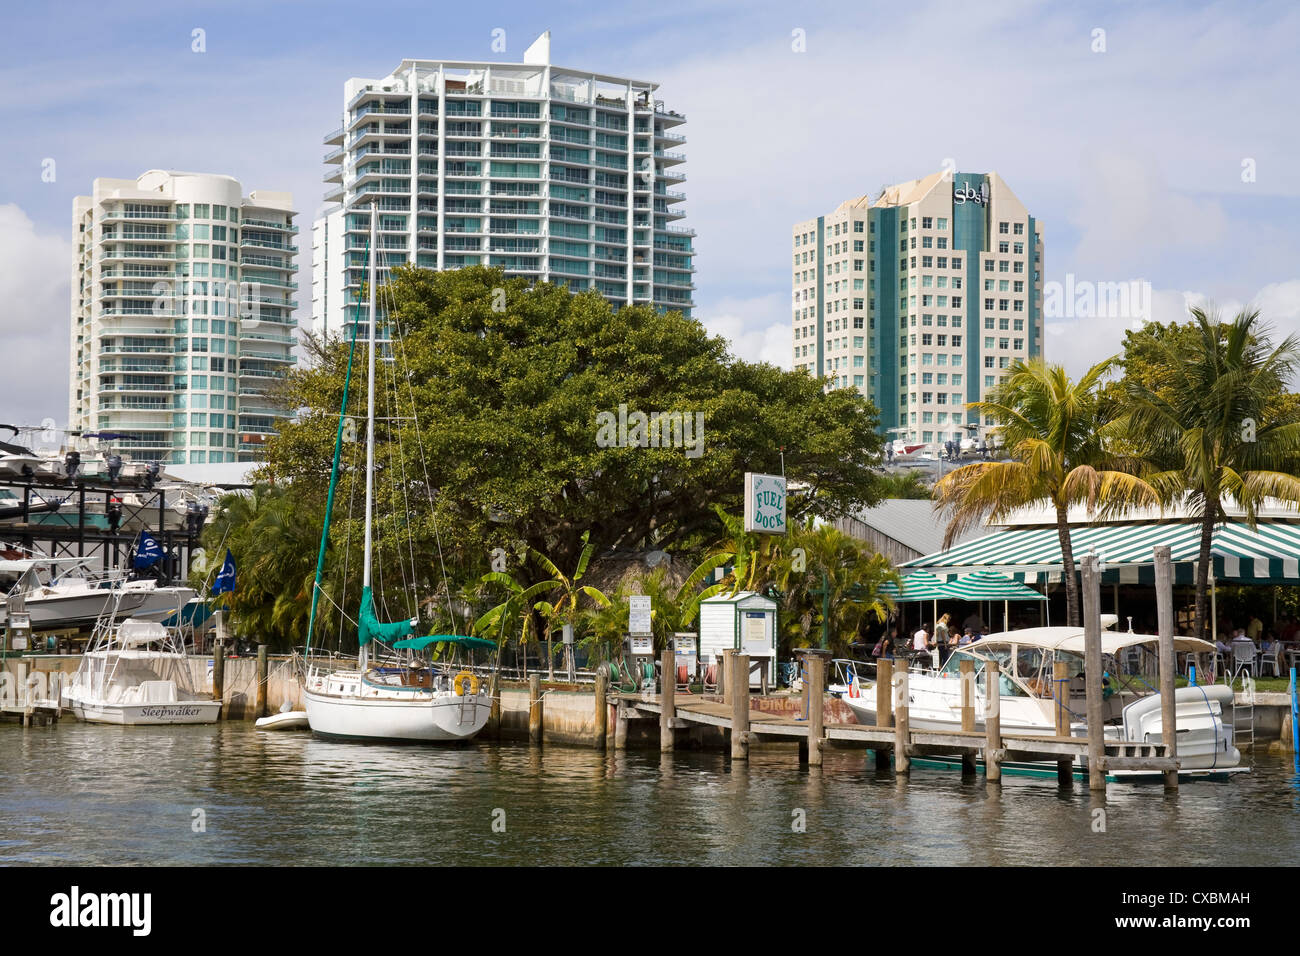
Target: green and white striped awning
992 586
919 586
1270 554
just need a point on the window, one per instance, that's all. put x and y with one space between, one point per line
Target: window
1019 344
956 343
988 265
943 262
956 262
857 226
1003 247
942 223
1002 228
927 222
1020 229
941 242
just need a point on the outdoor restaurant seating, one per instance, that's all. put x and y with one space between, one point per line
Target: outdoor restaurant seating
1243 658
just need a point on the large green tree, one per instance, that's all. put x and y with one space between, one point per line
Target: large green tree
509 382
1206 406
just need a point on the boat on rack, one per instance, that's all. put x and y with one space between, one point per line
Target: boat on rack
136 673
1028 700
67 593
396 692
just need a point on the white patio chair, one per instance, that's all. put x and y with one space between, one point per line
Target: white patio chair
1272 660
1243 659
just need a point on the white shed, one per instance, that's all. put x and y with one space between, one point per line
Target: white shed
745 622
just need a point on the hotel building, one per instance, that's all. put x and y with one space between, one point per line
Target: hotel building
549 173
920 298
182 315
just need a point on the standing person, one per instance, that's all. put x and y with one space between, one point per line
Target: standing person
920 642
942 638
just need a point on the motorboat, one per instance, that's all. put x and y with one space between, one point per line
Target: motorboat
136 673
1028 701
66 593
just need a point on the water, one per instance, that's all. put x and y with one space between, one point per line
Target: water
105 796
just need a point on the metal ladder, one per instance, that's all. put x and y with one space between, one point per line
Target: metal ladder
1243 721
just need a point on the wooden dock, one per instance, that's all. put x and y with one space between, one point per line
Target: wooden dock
949 743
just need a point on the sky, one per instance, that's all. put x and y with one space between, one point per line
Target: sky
1154 142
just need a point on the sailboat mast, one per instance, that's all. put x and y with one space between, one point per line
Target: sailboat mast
370 403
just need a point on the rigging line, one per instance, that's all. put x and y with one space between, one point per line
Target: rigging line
428 486
342 613
347 538
392 470
394 334
399 474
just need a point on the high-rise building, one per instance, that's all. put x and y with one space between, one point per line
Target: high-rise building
550 173
182 315
920 299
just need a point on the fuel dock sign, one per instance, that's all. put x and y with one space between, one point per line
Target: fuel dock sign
764 503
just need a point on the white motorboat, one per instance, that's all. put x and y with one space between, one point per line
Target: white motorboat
59 593
405 697
1028 705
136 673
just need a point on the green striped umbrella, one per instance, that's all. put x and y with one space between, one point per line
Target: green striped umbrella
920 586
992 586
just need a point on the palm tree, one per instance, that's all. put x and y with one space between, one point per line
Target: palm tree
836 584
1213 422
563 608
903 484
1050 427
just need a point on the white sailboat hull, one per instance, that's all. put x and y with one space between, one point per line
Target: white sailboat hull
431 718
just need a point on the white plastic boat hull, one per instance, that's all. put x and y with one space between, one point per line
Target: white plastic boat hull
140 715
290 720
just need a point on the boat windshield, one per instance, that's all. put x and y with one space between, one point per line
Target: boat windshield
1007 686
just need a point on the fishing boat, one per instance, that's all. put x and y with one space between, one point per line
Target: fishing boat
136 673
395 692
1028 700
64 593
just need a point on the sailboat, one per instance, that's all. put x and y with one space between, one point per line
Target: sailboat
388 696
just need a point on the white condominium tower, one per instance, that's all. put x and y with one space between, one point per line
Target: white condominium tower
920 298
182 302
550 173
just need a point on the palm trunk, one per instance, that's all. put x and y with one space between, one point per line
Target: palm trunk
1072 615
1203 564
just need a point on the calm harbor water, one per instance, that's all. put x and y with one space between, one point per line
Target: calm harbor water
80 794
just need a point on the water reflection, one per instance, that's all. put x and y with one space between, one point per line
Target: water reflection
82 794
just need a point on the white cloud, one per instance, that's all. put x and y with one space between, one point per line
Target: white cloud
756 328
35 315
1081 342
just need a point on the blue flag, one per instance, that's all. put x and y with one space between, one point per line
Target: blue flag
147 551
225 580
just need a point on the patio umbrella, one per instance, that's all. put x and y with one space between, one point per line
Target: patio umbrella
920 586
992 586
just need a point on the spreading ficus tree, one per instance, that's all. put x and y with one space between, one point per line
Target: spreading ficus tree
505 413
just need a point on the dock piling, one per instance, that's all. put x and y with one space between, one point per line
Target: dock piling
260 704
494 706
602 710
966 668
902 761
884 705
1092 671
1165 617
993 752
668 710
535 708
219 672
1061 694
816 707
738 684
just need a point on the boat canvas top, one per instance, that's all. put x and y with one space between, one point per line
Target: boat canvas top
1071 640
